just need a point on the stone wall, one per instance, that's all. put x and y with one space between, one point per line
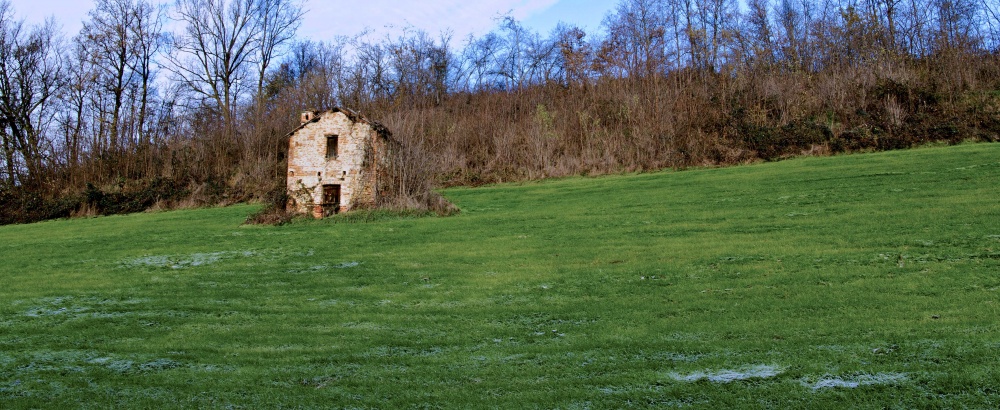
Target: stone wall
309 169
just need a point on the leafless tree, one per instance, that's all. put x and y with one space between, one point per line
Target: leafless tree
212 56
716 18
119 42
278 22
513 64
76 112
636 42
420 67
759 32
956 24
575 54
31 73
149 40
991 17
481 56
225 43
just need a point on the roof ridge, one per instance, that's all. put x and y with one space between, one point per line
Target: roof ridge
353 115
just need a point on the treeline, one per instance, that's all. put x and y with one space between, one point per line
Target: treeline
125 116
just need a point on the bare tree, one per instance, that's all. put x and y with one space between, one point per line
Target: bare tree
543 59
513 66
636 41
792 31
315 73
574 53
148 35
715 17
212 56
885 13
120 41
31 73
480 56
108 46
956 24
76 111
420 67
759 32
991 16
278 22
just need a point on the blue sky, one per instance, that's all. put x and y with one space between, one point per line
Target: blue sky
386 17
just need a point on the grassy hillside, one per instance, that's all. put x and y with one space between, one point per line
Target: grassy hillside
862 281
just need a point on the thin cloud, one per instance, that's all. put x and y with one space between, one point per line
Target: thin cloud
462 17
326 19
68 13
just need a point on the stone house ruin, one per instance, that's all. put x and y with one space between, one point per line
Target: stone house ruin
337 161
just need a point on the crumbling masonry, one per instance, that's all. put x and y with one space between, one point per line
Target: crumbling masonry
337 161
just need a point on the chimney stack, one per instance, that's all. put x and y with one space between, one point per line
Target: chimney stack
307 116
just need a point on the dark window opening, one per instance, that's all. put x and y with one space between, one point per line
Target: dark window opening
331 147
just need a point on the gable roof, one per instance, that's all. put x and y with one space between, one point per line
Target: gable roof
354 116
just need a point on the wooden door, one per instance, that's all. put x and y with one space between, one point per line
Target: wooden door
331 199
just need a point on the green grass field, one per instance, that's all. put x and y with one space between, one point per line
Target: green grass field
861 281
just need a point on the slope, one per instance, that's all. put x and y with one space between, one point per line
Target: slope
858 281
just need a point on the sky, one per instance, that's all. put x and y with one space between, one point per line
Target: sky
326 18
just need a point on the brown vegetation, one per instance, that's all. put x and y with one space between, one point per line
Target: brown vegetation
667 83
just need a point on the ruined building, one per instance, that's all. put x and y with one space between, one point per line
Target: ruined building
337 161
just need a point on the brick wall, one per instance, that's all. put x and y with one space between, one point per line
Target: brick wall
309 169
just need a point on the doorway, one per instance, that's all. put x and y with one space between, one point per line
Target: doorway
331 199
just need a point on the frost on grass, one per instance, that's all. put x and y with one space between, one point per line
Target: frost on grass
830 382
79 361
322 268
5 360
728 376
668 357
185 261
129 366
69 307
54 311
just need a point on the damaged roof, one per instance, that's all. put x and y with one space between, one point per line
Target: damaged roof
354 116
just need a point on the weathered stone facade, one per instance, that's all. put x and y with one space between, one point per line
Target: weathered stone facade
335 161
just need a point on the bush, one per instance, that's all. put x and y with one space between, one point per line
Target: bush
274 211
270 215
128 198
